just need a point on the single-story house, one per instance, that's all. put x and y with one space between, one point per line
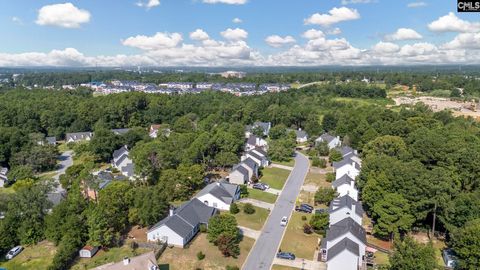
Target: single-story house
87 251
265 126
219 195
182 224
346 166
344 255
254 142
146 261
78 137
239 175
331 141
344 207
345 228
261 160
345 185
3 176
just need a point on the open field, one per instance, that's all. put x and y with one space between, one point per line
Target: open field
36 257
103 257
254 221
179 259
262 195
297 242
306 197
317 179
365 101
274 177
440 104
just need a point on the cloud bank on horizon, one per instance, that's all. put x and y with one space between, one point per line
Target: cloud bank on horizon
344 34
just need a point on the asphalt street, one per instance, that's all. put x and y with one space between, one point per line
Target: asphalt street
265 249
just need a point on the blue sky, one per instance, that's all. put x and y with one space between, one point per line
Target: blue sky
87 32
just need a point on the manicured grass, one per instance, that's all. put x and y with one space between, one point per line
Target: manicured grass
46 175
262 195
254 221
7 190
297 242
381 258
179 259
103 257
317 179
275 177
289 163
36 257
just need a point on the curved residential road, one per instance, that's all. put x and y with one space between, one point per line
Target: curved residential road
265 249
65 161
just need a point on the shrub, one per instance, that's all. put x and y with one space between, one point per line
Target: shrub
203 228
304 218
316 162
330 177
319 223
248 209
335 156
243 191
232 267
325 195
234 209
323 163
307 229
200 256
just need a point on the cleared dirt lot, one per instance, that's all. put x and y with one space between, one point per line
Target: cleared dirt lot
439 104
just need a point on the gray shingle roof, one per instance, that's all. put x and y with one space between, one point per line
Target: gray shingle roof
250 163
120 160
344 162
240 169
255 155
301 134
325 137
345 150
119 152
128 169
252 140
346 201
343 227
261 151
345 179
187 217
51 140
345 244
223 191
78 135
55 198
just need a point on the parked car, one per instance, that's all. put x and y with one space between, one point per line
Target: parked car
286 255
266 186
284 221
259 186
321 210
303 209
13 252
308 206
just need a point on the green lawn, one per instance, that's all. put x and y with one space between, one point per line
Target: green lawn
281 267
297 242
7 190
275 177
36 257
104 257
381 258
179 259
289 163
262 195
254 221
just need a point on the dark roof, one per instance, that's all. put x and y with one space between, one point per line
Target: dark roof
249 163
252 140
119 152
128 169
346 201
255 155
325 137
345 179
220 190
186 217
345 150
261 151
51 140
78 135
120 160
301 133
343 227
55 198
345 244
240 169
344 162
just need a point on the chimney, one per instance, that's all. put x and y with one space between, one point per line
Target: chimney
352 184
353 207
257 142
126 261
170 212
218 183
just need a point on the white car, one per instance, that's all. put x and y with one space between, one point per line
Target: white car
284 221
14 252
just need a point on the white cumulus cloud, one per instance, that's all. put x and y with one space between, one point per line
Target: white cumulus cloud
451 23
464 41
149 4
62 15
386 47
199 34
335 15
404 34
348 2
237 20
234 34
313 34
229 2
277 41
157 41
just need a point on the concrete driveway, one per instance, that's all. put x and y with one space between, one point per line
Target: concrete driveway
265 249
247 232
301 264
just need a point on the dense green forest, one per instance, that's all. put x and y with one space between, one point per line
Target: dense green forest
420 169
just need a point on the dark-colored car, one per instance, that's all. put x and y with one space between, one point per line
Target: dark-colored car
286 255
308 206
321 210
259 186
303 209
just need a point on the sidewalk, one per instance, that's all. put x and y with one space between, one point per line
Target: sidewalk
249 232
301 264
281 166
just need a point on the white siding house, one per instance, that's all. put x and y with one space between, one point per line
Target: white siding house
346 167
219 195
345 185
345 207
331 141
344 256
